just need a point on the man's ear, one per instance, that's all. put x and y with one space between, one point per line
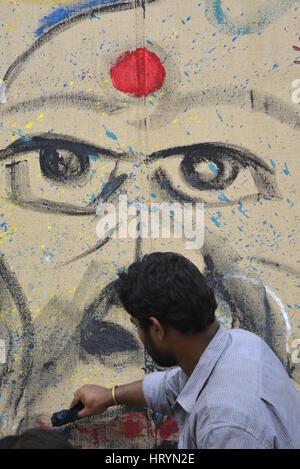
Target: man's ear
158 328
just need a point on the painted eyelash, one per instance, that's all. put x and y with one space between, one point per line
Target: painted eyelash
56 141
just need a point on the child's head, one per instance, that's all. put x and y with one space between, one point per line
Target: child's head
36 438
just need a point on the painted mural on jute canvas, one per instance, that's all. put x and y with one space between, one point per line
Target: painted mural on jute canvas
161 101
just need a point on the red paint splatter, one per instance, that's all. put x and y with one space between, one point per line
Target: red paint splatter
139 73
168 428
298 50
95 437
132 425
42 425
83 429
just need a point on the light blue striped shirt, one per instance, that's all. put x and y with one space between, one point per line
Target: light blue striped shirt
238 396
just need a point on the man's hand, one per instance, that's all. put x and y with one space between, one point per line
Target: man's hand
95 399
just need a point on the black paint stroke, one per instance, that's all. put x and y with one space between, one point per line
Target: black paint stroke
162 179
63 168
227 168
113 183
17 66
229 160
252 98
102 338
276 265
15 290
21 195
93 318
94 248
51 163
172 104
89 102
58 142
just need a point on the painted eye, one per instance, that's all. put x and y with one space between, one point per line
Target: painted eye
60 174
209 170
213 173
63 165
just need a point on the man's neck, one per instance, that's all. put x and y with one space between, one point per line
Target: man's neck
192 347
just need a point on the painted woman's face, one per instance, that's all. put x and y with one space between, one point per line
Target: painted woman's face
220 128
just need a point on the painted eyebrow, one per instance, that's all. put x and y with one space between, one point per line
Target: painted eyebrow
58 142
90 102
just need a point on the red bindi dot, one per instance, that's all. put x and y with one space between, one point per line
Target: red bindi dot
139 73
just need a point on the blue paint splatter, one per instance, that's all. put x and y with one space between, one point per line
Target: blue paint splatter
131 151
110 134
240 207
24 137
159 418
93 157
286 170
216 222
213 168
222 198
219 116
4 225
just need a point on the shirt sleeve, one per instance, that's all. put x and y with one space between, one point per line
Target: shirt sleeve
161 390
228 437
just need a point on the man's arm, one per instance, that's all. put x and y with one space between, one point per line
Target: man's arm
96 399
228 437
158 391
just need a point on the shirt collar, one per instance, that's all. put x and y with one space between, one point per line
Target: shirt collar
203 369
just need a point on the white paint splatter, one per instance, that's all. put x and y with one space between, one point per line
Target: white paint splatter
3 99
2 352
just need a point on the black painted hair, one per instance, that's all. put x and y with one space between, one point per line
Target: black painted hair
170 288
36 438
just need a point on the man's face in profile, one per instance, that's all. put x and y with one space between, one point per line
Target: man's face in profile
221 130
161 359
159 355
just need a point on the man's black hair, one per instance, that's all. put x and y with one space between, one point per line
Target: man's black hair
36 438
170 288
